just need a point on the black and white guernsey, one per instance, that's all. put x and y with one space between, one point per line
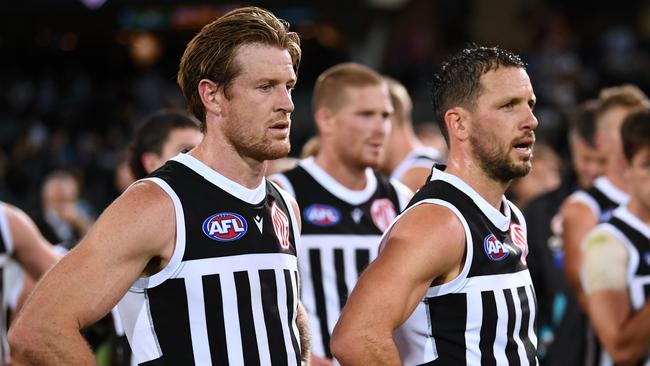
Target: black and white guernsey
6 250
602 198
636 236
229 294
341 230
486 315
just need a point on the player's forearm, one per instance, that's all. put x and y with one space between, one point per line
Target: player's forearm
48 345
302 320
631 343
364 348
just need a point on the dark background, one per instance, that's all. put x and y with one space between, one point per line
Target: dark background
75 79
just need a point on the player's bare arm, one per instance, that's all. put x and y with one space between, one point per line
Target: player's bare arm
625 333
136 233
577 220
418 252
31 249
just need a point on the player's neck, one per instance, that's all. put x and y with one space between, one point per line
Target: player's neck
640 210
224 159
471 173
353 178
403 144
616 178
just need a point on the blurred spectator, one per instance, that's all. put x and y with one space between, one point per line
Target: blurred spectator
63 220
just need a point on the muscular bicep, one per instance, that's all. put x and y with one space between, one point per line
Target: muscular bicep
419 251
92 278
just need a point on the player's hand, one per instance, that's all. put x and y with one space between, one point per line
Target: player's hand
321 361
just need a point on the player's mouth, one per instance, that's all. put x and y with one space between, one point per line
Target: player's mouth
281 127
524 147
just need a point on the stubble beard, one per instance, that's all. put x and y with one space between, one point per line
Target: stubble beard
265 148
495 161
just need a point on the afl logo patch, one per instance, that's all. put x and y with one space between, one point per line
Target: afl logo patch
225 226
322 215
494 249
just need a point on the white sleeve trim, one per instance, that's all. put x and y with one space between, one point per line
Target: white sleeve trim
179 247
281 180
404 193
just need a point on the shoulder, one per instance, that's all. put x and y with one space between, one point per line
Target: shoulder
427 238
431 225
576 208
144 213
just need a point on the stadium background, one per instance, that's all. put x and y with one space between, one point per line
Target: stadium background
76 77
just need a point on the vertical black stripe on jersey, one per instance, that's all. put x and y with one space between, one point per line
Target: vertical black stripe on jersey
214 319
341 286
277 348
3 245
4 318
171 322
290 306
511 346
532 291
362 259
246 323
319 295
488 328
447 314
525 321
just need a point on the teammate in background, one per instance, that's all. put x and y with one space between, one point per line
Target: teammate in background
202 253
583 210
616 260
559 317
20 240
345 205
405 158
451 282
161 136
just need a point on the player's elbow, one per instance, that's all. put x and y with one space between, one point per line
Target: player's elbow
623 354
343 344
23 338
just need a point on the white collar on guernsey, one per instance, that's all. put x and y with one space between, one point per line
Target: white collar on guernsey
334 187
499 219
252 196
610 190
628 217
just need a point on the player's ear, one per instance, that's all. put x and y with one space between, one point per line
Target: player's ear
212 96
324 121
150 161
457 120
